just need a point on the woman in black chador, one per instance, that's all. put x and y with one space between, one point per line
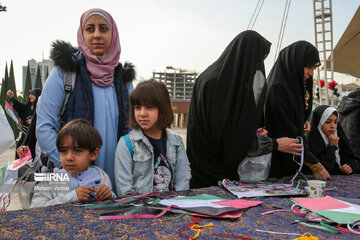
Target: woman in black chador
26 111
27 114
225 111
328 142
289 102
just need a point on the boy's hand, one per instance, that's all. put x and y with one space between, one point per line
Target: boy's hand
20 150
83 193
333 140
346 169
103 192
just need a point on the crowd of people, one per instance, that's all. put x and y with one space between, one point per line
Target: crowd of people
112 140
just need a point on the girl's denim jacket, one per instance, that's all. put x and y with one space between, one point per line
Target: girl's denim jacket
136 173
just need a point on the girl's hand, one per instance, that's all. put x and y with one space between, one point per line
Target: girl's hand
322 175
307 127
83 193
103 192
10 94
333 140
346 169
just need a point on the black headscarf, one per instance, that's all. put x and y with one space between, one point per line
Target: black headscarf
318 147
223 113
285 108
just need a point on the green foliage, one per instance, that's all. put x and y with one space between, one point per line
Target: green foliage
8 83
11 82
3 92
28 85
38 83
47 73
4 86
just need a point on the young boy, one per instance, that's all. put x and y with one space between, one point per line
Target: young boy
79 144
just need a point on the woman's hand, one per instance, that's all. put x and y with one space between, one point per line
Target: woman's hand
346 169
333 140
307 127
322 175
103 192
83 193
10 94
289 145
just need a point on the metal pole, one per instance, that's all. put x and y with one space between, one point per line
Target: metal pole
316 44
324 51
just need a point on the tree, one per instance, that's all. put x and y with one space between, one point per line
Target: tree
4 86
3 92
47 73
28 85
38 83
11 83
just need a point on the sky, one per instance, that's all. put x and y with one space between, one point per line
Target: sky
187 34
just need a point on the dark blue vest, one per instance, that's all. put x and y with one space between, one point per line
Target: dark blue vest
81 99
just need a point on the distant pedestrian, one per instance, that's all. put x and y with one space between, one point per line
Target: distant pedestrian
26 111
349 117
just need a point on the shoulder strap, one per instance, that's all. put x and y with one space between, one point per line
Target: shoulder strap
69 80
129 144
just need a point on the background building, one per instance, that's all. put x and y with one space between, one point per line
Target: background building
45 68
347 88
180 83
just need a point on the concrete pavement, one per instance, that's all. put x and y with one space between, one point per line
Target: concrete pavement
181 132
8 155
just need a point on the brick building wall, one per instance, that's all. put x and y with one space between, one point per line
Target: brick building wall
181 112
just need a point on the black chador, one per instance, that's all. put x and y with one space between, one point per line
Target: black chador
289 101
224 110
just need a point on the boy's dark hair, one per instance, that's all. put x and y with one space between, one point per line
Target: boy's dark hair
82 133
154 93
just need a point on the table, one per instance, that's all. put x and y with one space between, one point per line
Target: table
69 221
